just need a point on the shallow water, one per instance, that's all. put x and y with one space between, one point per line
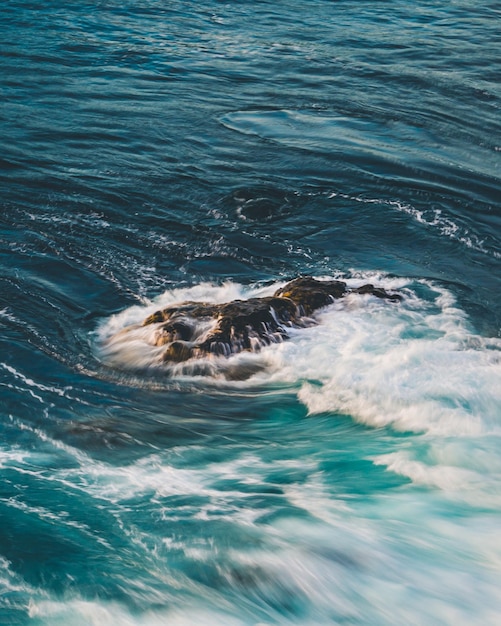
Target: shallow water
155 152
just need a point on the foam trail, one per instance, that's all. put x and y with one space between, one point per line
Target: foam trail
446 225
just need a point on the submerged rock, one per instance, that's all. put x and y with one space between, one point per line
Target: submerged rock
195 329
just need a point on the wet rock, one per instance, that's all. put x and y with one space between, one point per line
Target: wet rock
195 329
379 292
309 294
178 351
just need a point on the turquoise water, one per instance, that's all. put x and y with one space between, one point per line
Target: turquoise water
155 152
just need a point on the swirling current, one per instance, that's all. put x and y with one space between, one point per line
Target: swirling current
159 151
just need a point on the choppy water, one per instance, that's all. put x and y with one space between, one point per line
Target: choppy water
159 151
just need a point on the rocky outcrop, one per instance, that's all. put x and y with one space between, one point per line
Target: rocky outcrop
195 329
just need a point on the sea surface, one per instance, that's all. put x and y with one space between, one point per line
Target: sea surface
156 151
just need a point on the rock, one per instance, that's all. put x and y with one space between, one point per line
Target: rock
195 329
379 292
309 294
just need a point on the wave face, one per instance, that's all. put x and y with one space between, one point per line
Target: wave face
155 152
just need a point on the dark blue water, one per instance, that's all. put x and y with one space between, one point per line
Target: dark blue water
154 152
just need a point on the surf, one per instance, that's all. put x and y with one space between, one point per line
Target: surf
418 366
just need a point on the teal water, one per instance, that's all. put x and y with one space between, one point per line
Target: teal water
154 152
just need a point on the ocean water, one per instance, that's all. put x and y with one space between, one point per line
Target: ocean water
155 151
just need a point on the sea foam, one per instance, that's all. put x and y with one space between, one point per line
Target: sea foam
417 365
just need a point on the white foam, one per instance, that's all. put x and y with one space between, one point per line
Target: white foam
470 473
12 456
6 314
444 477
417 365
448 227
86 613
